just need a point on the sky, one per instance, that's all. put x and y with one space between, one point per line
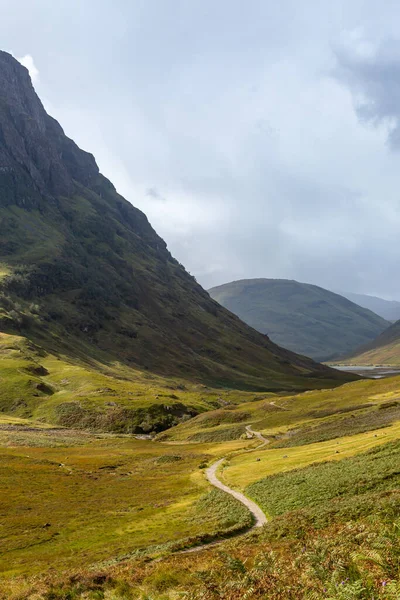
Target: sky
261 138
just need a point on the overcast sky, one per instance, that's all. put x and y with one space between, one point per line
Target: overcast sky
261 138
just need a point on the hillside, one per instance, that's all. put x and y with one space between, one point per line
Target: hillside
301 317
387 309
328 479
384 350
85 278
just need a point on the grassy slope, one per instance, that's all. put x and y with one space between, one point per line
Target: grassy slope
72 498
304 318
334 534
375 470
385 350
301 418
242 470
115 398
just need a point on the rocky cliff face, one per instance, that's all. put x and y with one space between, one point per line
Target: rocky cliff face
33 145
82 269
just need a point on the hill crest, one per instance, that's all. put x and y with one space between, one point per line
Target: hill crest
83 273
302 317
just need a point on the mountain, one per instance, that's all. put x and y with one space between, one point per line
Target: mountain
301 317
84 277
384 350
387 309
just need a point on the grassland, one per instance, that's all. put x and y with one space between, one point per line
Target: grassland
334 536
300 418
50 388
242 470
70 498
85 514
352 478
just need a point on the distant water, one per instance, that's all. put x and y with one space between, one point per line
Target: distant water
371 372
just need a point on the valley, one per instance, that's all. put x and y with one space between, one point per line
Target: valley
371 372
79 503
154 446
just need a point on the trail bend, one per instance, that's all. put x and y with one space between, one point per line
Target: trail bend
260 517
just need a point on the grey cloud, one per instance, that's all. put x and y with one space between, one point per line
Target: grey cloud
373 77
252 134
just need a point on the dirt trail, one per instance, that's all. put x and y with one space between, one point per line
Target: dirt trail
258 435
260 518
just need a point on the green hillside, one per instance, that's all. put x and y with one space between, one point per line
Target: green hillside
100 516
301 317
85 279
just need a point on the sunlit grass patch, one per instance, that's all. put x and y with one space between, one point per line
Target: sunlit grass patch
71 498
244 469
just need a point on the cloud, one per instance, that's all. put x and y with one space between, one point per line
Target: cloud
28 62
371 71
258 141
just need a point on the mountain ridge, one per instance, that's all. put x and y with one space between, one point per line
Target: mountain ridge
384 350
302 317
84 277
387 309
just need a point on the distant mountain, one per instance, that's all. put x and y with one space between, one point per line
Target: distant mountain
387 309
301 317
384 350
84 275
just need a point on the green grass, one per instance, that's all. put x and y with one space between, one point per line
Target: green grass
4 270
116 502
244 469
300 418
85 499
49 388
374 471
349 423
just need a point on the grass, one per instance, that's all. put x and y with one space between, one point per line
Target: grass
84 499
85 514
4 270
300 418
377 470
42 386
351 422
245 469
353 556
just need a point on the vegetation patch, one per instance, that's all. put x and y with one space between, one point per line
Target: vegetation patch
222 434
376 470
375 418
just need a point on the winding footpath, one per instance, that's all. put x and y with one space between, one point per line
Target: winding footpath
260 518
258 514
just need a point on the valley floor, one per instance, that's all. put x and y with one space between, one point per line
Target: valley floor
93 515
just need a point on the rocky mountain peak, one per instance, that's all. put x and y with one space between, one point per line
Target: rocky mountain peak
33 144
17 91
